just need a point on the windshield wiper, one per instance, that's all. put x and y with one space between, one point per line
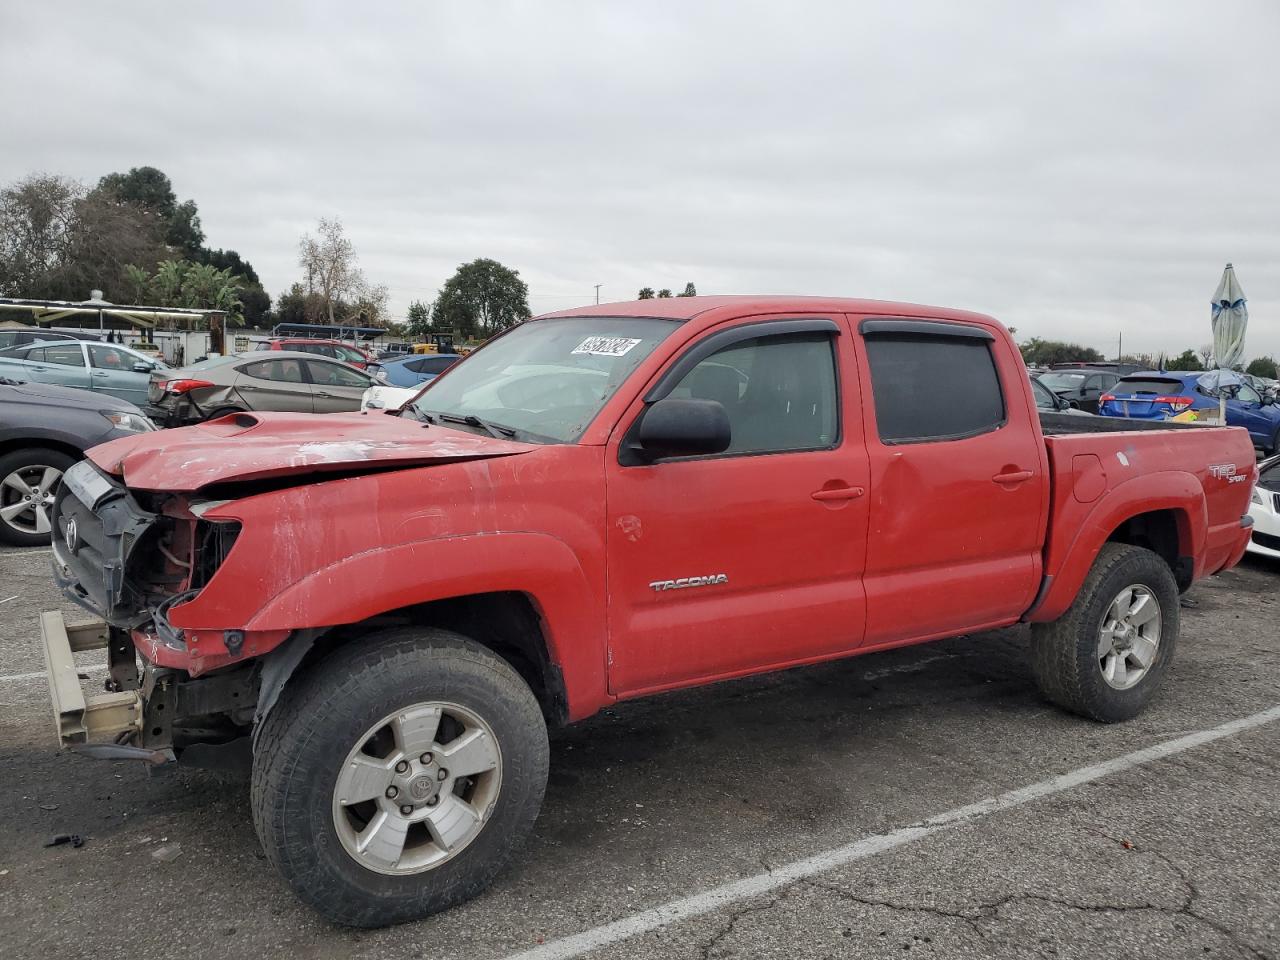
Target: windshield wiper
471 420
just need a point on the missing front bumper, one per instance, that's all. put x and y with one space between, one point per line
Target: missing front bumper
79 719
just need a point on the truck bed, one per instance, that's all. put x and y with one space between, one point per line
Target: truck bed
1065 424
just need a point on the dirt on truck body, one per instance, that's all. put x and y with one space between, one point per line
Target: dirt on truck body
390 610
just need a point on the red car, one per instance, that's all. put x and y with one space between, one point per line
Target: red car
324 348
603 504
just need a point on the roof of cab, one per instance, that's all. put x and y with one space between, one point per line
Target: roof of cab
712 309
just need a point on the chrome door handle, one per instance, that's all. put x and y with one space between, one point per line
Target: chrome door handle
1014 476
838 493
327 396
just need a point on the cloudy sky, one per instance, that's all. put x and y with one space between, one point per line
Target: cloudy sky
1077 169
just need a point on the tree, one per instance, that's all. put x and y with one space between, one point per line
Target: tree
482 297
689 291
664 293
181 283
150 190
419 317
1206 355
1186 360
646 293
1042 353
1263 367
37 220
330 261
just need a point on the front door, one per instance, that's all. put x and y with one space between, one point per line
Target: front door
337 388
958 480
748 559
111 371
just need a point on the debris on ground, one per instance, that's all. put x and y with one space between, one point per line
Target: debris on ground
48 806
62 838
167 854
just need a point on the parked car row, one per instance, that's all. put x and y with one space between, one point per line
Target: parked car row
1164 395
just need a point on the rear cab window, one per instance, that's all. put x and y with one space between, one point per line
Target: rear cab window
932 381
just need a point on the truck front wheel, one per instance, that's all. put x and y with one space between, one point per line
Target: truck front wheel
1107 655
397 776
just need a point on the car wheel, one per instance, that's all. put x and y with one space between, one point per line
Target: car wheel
29 480
1107 655
397 776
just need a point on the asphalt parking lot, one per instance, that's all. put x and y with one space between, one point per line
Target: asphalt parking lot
924 802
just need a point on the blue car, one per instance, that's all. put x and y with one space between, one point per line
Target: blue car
413 371
1159 396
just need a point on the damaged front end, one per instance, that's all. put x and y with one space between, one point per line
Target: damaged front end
131 558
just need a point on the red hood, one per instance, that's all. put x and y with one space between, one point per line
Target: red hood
259 445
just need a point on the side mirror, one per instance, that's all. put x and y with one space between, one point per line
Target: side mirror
683 428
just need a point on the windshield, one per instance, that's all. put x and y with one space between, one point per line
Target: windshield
1045 399
546 379
1062 381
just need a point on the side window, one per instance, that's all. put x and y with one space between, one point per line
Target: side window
779 392
109 358
67 354
281 371
336 375
1248 394
416 366
1093 383
933 388
349 354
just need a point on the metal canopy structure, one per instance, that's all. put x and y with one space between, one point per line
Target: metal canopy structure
324 331
47 312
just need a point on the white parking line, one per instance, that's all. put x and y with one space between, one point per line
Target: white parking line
24 553
22 676
717 897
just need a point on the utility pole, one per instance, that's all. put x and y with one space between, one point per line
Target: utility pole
1120 347
598 286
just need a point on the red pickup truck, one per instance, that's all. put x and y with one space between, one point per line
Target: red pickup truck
602 504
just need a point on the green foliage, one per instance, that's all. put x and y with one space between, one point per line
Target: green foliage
689 291
181 283
419 319
58 241
481 298
1186 360
150 190
664 293
1041 353
1263 367
646 293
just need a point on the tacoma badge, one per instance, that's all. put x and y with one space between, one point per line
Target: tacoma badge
707 581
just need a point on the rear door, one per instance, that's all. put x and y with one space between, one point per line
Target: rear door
62 363
111 371
279 385
1246 410
748 559
958 475
337 388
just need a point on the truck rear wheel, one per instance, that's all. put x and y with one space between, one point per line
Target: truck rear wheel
1107 655
397 777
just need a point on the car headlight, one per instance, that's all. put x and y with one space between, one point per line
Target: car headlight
131 422
381 376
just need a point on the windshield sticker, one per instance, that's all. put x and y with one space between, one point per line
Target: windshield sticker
605 346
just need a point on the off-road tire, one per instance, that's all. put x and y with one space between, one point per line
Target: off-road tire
1064 653
321 715
17 460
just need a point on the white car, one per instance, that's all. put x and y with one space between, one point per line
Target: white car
1265 510
383 397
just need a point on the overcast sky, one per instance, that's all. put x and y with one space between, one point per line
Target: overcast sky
1076 173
